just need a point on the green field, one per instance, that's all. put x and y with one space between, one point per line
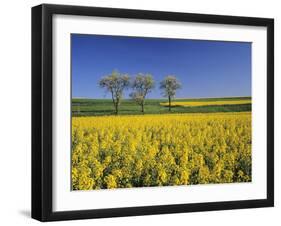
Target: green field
98 107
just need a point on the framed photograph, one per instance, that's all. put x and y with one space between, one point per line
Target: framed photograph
145 112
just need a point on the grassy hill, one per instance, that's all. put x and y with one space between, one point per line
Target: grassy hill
98 107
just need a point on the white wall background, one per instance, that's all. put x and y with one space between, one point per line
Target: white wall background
15 113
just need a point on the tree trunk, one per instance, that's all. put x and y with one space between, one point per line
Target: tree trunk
114 104
116 109
117 106
169 103
142 108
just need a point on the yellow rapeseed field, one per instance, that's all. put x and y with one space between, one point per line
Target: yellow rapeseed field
160 150
206 103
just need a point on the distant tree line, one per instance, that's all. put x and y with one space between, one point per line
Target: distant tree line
141 85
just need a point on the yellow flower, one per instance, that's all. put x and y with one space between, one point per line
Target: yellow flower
154 150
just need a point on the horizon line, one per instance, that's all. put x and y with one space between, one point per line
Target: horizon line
164 98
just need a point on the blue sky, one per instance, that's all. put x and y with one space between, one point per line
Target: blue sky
205 68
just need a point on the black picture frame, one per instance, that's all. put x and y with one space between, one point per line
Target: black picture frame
42 111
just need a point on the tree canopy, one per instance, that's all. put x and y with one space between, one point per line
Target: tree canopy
169 86
115 83
142 84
